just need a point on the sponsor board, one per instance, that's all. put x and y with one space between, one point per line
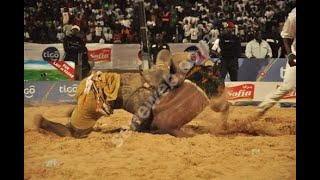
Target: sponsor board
36 92
35 70
254 91
71 91
64 68
29 91
261 70
103 54
243 91
126 57
51 54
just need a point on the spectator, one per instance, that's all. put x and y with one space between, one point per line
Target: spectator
117 37
89 37
248 14
258 48
194 34
215 51
186 28
107 33
275 41
73 46
214 34
98 33
165 18
60 35
77 20
67 28
126 34
65 16
230 46
26 35
52 34
102 41
157 46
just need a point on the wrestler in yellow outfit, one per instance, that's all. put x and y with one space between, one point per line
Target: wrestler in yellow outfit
86 113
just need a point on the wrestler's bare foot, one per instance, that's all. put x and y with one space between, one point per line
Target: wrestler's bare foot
44 126
37 120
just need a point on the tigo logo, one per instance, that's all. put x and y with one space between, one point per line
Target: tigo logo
70 90
29 92
51 54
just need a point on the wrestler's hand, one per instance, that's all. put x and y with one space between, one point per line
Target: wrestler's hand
291 59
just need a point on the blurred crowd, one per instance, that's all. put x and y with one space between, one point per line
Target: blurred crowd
180 21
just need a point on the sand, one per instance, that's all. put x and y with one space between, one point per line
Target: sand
241 152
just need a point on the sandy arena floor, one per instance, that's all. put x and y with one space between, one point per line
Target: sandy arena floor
242 152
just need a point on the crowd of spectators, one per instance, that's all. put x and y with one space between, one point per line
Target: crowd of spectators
181 21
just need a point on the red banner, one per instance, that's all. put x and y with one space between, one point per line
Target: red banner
103 54
244 91
63 67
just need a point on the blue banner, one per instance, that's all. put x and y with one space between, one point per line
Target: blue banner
265 70
50 91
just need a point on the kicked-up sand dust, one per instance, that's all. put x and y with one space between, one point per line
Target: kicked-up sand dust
261 150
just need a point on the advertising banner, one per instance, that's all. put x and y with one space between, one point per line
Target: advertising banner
103 54
255 91
260 70
36 92
126 57
48 70
39 55
266 70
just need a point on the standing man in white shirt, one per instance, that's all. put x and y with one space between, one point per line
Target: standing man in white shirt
288 35
258 48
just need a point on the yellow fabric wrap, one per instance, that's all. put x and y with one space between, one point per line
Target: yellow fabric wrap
110 82
85 115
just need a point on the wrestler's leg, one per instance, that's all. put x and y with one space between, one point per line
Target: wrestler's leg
222 105
57 128
163 129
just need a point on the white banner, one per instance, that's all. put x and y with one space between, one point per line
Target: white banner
255 91
105 56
